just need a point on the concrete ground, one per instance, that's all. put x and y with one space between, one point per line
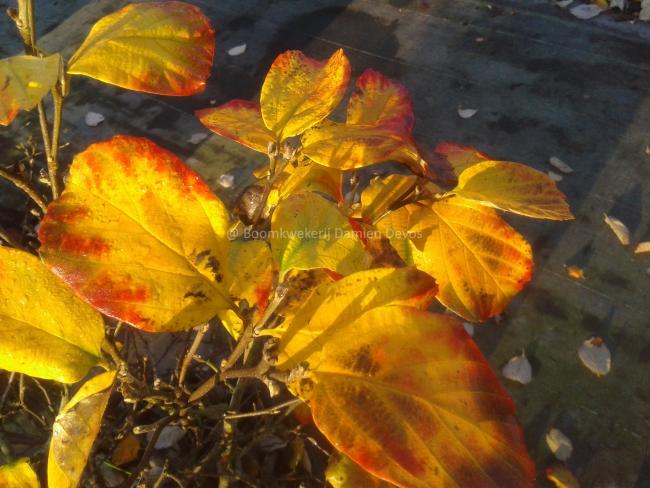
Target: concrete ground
546 84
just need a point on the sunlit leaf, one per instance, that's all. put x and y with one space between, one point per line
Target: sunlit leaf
239 120
561 477
348 147
478 260
335 305
18 475
379 100
159 47
342 472
308 231
45 330
312 177
515 188
126 450
459 156
140 236
75 430
383 193
24 81
409 396
299 92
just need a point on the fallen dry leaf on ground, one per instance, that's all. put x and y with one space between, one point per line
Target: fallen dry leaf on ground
466 113
559 164
237 50
559 444
619 228
518 369
642 247
586 11
575 272
595 355
561 477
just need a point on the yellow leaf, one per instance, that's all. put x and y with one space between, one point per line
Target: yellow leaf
45 330
159 47
24 81
382 193
312 177
140 236
575 272
478 260
379 100
75 430
409 396
298 91
515 188
18 475
561 477
308 232
240 121
342 472
348 147
335 305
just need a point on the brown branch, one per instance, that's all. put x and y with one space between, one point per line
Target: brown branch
29 191
189 355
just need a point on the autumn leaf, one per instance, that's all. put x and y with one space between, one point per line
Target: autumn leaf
347 147
75 430
18 475
459 156
140 236
515 188
478 260
239 120
382 193
311 177
298 91
381 101
342 472
24 81
308 232
408 395
45 330
337 304
165 48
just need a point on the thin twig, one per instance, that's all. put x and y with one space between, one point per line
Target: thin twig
45 130
29 191
7 388
267 411
144 460
53 161
189 355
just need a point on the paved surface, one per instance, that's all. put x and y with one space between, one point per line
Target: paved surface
546 84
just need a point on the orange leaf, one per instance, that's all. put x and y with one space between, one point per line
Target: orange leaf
159 47
478 260
409 396
298 91
239 120
140 236
459 156
378 100
381 194
342 472
515 188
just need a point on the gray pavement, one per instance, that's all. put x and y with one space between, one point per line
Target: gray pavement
546 84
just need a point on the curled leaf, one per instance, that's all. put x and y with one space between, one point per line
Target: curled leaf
75 430
308 232
518 369
559 164
460 157
24 81
239 120
619 228
298 91
467 113
559 444
18 474
515 188
159 47
140 236
46 331
595 355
